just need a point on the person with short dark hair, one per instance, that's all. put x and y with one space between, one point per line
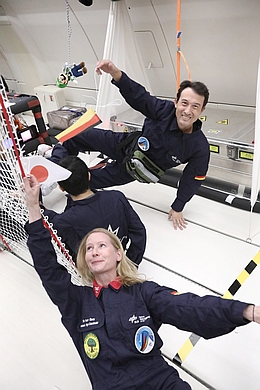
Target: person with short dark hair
87 209
114 318
171 135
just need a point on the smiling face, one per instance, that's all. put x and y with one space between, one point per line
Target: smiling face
102 257
188 109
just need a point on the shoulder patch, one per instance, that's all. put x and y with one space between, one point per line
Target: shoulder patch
144 339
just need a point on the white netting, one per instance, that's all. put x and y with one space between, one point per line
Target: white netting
13 211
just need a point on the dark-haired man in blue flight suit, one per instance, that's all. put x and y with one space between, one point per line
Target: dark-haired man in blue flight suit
171 135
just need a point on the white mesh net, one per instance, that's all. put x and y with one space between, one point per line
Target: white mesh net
13 211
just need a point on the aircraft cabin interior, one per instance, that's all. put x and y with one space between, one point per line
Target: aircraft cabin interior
157 43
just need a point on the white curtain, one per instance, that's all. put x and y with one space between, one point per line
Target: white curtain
256 162
121 48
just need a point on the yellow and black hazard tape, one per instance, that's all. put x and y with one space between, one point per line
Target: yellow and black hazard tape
235 286
189 344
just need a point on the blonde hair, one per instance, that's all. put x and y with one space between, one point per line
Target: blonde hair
125 269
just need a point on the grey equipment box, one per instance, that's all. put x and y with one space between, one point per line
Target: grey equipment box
64 117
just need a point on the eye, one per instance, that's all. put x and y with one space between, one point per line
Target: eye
102 245
88 248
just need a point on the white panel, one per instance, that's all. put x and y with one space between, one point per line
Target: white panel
149 49
50 97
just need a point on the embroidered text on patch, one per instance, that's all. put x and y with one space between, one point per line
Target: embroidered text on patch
176 160
89 322
138 319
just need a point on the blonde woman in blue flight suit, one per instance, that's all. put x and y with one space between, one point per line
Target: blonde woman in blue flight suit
114 318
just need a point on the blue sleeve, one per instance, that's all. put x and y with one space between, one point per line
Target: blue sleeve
208 316
55 278
192 177
137 233
140 99
58 153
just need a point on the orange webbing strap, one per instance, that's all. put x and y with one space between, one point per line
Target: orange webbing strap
178 43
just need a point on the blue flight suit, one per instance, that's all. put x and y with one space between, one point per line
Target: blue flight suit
115 330
107 209
168 146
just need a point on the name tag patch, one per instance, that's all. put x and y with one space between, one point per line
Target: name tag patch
86 322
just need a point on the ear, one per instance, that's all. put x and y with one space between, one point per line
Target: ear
175 101
61 188
119 255
89 176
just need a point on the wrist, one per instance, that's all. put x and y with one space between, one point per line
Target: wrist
249 313
34 213
116 74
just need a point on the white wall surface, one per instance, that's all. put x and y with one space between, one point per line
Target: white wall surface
218 40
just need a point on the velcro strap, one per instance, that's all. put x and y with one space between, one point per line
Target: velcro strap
131 137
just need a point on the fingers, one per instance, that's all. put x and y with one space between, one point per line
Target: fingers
170 215
25 184
98 71
179 224
33 181
106 66
30 182
100 65
177 220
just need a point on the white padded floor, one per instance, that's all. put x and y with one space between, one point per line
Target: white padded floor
37 352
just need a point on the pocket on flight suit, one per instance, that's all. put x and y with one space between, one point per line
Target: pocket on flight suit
139 332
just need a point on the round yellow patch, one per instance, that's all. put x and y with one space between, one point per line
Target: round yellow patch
91 345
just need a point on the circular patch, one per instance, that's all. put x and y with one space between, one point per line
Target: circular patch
143 143
40 172
144 339
91 345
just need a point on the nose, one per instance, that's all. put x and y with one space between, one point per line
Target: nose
94 251
187 109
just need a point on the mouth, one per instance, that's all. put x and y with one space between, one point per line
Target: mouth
96 262
186 117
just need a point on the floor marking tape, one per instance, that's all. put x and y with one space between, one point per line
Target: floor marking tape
190 343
